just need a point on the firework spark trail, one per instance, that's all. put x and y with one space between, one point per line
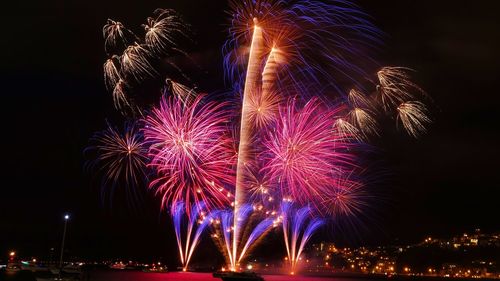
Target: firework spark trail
357 99
198 221
231 220
115 36
163 30
183 92
413 116
191 152
240 217
177 211
269 74
362 117
323 43
111 74
264 104
226 219
255 235
346 130
119 95
135 62
114 82
294 233
395 86
364 120
303 153
250 90
122 158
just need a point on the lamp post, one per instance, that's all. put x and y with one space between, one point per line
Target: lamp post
66 218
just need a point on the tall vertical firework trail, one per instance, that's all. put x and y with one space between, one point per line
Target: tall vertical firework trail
251 89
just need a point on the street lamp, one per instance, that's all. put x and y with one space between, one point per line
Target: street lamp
66 218
12 256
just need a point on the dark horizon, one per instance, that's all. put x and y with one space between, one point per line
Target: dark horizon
54 99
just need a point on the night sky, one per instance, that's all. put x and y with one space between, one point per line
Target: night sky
53 99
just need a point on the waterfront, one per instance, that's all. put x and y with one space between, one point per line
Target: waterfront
132 275
192 276
126 275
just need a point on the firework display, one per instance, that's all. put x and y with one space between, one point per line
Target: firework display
163 29
311 94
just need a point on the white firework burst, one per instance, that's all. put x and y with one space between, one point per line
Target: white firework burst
135 62
346 129
120 96
111 73
365 121
115 36
357 99
163 29
182 91
395 86
413 116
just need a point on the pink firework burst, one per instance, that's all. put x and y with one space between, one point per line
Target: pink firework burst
305 154
191 151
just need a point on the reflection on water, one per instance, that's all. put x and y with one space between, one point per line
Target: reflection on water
130 275
190 276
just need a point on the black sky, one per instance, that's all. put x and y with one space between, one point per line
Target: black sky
53 99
